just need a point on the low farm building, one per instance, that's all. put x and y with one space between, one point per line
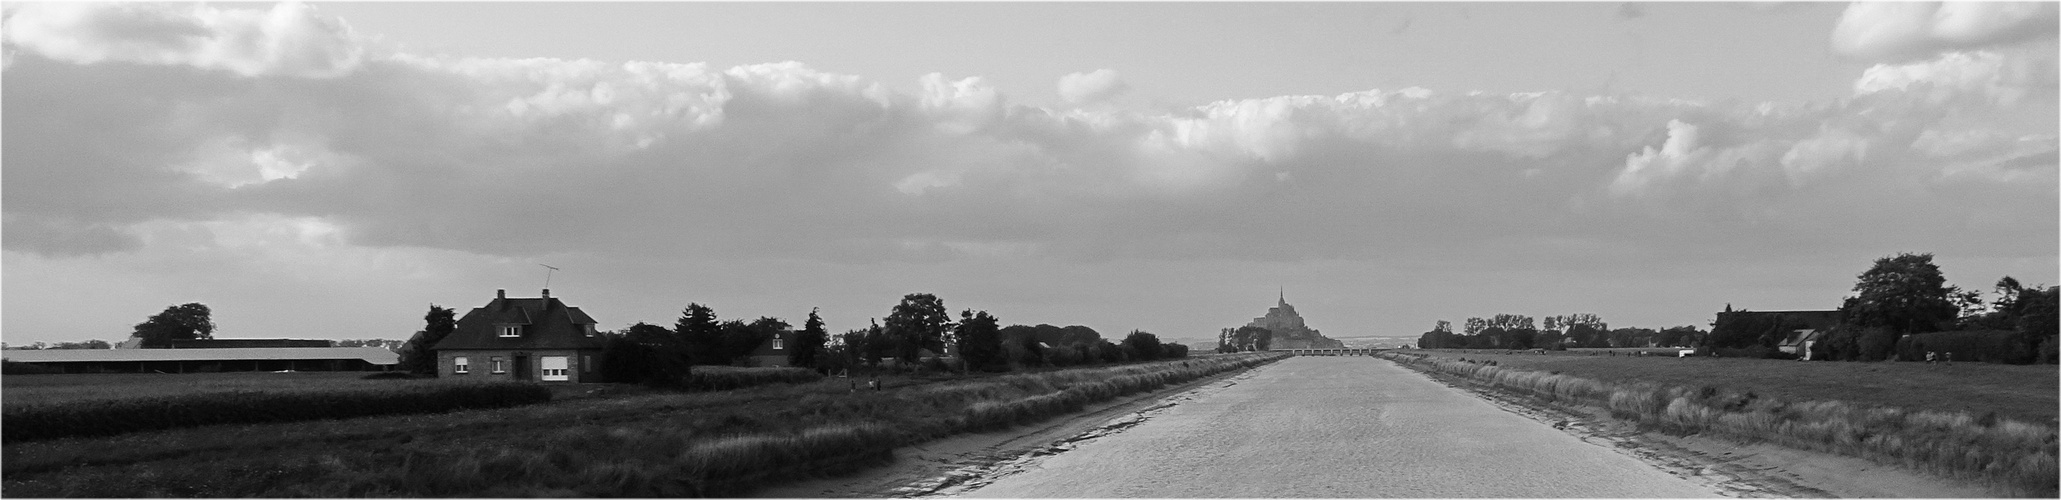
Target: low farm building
207 359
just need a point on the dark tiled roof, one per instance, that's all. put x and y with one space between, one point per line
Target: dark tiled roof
547 324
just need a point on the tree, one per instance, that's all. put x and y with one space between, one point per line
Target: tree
1145 345
416 356
188 321
2038 316
919 322
980 339
808 345
646 354
1475 326
1250 338
700 335
1904 293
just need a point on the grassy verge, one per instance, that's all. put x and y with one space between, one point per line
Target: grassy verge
2030 393
2017 456
653 445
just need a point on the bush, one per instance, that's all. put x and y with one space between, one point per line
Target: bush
1988 346
109 417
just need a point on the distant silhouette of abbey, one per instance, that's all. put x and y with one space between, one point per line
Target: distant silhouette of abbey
1289 331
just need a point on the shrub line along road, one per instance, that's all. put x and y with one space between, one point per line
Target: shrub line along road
1340 427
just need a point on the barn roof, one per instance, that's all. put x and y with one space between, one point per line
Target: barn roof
374 355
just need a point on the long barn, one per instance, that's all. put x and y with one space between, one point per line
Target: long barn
208 360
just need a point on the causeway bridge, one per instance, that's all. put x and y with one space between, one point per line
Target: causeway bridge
1342 351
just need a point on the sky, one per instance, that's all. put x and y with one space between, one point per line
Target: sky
329 170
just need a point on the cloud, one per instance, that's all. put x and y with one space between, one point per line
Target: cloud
1895 32
651 160
2002 78
1097 86
288 39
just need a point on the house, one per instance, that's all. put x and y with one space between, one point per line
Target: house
1799 342
537 339
773 352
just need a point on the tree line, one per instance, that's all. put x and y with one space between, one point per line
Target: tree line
1899 306
1517 331
915 333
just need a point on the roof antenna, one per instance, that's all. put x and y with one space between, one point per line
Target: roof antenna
547 275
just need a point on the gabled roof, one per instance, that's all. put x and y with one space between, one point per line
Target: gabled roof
547 324
1798 337
374 355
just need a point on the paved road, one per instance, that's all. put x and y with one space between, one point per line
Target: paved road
1339 427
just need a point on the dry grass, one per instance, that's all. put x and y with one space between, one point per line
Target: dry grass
655 445
2019 456
2030 393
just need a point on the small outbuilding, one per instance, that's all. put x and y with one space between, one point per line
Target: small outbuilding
538 339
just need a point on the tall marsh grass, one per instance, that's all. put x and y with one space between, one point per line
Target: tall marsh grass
2017 456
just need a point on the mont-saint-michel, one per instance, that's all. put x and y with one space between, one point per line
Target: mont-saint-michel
1289 330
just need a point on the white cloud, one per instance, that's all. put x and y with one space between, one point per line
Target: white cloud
1096 86
288 39
2002 77
1904 31
663 160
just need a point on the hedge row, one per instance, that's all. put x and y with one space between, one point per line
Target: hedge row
1988 346
109 417
723 379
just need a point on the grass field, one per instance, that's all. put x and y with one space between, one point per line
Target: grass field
2030 393
22 390
640 445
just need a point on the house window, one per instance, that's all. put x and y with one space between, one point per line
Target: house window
554 369
459 366
587 329
511 330
498 366
777 343
587 363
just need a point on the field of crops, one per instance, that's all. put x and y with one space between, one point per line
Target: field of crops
24 390
643 445
2026 392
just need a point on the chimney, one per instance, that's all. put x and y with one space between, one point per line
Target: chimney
501 293
547 293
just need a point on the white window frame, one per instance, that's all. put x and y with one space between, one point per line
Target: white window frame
508 331
460 365
560 373
500 365
779 343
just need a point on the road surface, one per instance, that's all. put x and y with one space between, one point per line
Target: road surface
1339 427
